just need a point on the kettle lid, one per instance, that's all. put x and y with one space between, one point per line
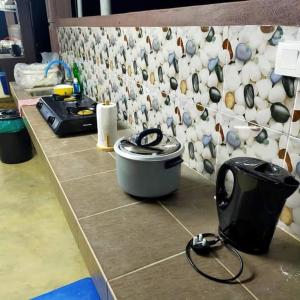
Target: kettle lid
264 170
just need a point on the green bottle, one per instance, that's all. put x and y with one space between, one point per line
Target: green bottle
76 74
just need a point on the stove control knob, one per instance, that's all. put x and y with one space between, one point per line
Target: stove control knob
39 105
51 120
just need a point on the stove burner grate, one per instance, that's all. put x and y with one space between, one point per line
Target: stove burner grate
80 111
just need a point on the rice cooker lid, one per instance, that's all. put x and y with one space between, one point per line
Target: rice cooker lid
150 142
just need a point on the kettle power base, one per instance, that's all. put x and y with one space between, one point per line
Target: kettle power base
243 248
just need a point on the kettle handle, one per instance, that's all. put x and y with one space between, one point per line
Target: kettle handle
221 194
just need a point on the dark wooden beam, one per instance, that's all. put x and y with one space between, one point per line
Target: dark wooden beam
26 30
57 9
285 12
8 64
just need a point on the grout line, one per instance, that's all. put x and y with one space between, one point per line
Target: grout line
33 123
110 153
251 123
242 284
48 138
289 233
297 98
95 138
147 266
98 173
197 172
110 293
68 153
108 210
178 221
284 164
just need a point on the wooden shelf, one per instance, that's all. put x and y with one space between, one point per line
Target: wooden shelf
7 55
232 13
8 8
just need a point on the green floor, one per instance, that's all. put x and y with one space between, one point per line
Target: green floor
37 249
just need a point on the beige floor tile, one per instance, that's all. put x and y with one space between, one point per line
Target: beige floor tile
37 250
195 207
33 114
276 275
132 237
95 194
43 130
79 164
148 284
57 146
190 179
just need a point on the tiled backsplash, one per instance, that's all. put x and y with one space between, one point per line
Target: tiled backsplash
212 87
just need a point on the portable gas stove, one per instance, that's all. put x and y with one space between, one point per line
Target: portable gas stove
68 115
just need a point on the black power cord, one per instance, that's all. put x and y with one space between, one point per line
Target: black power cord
202 244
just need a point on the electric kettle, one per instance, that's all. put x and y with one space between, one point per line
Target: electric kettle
248 217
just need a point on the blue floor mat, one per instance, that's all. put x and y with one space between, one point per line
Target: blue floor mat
82 289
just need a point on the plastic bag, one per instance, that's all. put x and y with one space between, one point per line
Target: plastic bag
49 56
29 76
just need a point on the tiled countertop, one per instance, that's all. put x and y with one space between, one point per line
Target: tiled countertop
135 249
18 92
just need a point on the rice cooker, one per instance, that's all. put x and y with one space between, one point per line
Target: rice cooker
149 163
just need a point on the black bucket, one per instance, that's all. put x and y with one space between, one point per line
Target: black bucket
15 143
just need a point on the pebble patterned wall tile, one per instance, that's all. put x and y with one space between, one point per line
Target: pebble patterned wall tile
241 138
212 87
253 91
295 126
290 216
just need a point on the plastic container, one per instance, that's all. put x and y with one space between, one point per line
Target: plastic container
76 86
29 76
15 143
63 90
4 88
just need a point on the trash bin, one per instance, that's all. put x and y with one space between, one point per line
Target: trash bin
15 143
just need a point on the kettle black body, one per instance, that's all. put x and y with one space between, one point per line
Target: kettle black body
248 217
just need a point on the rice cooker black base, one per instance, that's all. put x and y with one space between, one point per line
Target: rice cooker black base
15 147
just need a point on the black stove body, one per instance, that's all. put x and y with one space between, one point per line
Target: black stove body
68 117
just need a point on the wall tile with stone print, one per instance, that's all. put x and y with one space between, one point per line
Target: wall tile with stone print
253 92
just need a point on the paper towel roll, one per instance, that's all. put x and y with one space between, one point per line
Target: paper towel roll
107 125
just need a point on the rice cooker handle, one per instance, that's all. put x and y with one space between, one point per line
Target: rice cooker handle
173 162
146 132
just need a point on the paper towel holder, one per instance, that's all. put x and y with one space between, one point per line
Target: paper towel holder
106 146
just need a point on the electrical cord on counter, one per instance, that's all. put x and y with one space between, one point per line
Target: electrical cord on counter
202 244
